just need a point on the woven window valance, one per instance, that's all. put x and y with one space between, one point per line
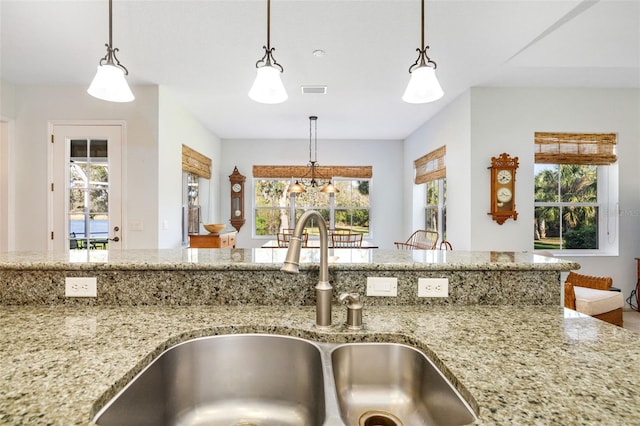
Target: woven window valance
431 166
196 163
287 172
575 148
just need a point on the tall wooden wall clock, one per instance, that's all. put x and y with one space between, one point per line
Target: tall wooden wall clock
503 188
237 199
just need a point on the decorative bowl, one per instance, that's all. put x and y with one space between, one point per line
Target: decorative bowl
214 228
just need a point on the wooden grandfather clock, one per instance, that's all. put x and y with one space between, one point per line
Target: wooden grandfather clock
237 199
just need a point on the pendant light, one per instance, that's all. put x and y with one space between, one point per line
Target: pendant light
109 83
267 87
423 86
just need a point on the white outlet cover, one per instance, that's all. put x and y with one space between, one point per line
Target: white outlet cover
81 287
382 286
433 287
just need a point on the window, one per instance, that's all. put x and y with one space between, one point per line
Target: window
575 193
431 170
275 209
435 211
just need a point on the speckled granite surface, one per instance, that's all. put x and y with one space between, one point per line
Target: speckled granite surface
520 365
271 259
211 277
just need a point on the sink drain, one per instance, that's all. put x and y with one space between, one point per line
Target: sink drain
379 418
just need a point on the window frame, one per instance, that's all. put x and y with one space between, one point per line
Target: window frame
608 221
292 207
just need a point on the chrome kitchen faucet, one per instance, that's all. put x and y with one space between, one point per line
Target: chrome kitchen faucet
292 262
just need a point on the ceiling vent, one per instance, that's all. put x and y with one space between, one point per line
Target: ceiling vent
314 90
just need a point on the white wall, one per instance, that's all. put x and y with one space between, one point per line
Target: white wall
385 157
450 127
7 228
33 107
504 120
177 127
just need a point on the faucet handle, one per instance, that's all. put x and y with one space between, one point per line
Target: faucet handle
354 310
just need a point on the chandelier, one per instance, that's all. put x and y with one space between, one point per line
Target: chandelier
314 172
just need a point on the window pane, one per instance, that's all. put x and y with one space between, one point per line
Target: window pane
432 193
546 183
311 226
432 219
98 148
268 221
580 227
76 200
78 148
271 193
353 220
578 183
547 228
99 199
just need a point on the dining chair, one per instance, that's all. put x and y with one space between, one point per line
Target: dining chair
346 240
284 238
419 240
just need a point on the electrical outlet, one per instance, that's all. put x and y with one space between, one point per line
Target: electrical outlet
433 287
80 287
382 286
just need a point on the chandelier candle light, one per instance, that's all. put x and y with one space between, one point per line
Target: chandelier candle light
423 86
267 87
109 83
313 163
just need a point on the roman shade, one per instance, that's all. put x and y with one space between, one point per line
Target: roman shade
575 148
431 166
196 163
287 172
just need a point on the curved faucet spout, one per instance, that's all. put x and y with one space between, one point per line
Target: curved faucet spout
292 263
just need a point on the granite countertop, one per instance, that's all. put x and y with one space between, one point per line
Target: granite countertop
272 259
520 365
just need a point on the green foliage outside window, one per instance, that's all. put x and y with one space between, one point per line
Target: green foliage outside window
350 210
566 207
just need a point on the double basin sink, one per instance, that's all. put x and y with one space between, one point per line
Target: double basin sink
266 379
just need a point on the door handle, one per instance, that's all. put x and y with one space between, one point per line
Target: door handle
116 238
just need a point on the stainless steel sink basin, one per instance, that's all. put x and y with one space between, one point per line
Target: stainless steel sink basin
226 380
255 379
385 384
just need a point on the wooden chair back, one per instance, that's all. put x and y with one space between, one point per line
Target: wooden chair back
420 239
598 283
284 238
346 240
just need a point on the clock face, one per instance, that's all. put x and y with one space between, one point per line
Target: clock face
236 187
504 195
504 176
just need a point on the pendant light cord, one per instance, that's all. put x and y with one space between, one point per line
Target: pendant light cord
110 24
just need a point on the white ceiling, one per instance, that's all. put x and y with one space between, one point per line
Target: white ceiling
204 52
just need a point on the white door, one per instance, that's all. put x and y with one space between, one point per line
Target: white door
86 187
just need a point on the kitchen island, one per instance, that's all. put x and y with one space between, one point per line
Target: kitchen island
518 365
501 336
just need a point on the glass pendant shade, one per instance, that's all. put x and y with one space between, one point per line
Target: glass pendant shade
330 188
267 87
109 84
296 188
423 86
